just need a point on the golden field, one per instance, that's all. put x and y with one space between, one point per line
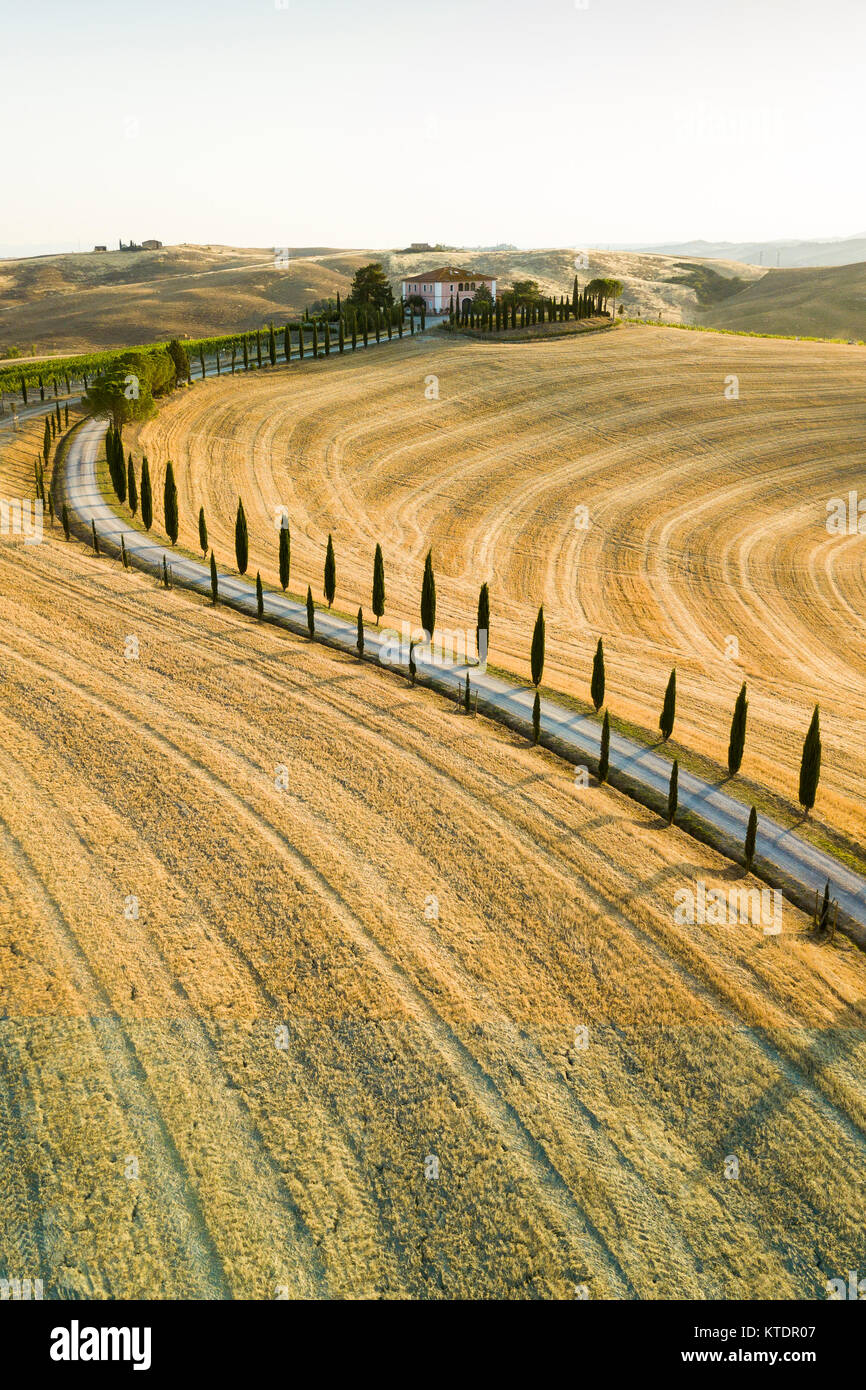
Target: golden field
707 517
429 911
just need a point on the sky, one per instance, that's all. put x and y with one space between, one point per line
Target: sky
329 123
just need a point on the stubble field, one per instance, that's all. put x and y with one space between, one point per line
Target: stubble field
339 1049
705 545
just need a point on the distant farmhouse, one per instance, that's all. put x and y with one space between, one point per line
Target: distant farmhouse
438 288
100 248
138 246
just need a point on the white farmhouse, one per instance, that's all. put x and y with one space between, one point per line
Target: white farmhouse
438 288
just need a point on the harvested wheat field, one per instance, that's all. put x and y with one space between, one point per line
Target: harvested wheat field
706 516
311 986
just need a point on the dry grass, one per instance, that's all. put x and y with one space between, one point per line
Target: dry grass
707 517
408 1034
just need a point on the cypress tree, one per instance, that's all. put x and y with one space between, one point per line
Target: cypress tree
94 537
201 362
46 441
330 572
354 330
360 639
365 326
822 921
311 613
287 343
604 755
41 388
467 695
810 764
301 340
536 718
146 495
751 835
315 339
246 347
327 338
411 663
24 390
673 792
258 348
242 544
737 741
428 596
119 476
272 344
165 579
483 622
285 557
64 517
378 584
123 555
596 685
170 503
536 658
669 708
341 336
202 531
260 597
131 489
234 354
214 583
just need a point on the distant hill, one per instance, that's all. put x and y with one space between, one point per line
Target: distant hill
90 300
828 301
769 254
672 286
83 301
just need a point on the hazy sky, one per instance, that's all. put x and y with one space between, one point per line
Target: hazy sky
538 122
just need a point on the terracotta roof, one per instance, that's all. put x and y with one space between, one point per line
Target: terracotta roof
447 272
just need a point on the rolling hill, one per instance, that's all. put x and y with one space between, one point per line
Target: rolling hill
414 1020
708 516
829 302
785 254
117 299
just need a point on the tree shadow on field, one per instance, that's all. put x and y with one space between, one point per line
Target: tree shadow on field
684 871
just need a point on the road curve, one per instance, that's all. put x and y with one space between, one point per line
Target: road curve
782 857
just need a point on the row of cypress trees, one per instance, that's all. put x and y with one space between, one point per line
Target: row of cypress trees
124 481
810 762
318 337
504 314
126 488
